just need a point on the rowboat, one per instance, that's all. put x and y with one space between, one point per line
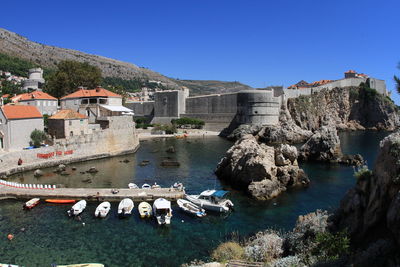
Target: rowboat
191 208
125 207
144 209
77 208
103 209
60 201
31 203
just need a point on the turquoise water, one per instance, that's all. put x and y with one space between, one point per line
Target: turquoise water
51 237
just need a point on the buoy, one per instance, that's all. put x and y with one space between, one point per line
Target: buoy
83 224
10 237
183 221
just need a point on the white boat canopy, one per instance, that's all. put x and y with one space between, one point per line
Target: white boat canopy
117 108
162 203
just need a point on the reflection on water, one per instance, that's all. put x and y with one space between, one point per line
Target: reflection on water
51 237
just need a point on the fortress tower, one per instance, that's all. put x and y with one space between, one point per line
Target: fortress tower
35 81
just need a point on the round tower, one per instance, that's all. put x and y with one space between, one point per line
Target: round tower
258 107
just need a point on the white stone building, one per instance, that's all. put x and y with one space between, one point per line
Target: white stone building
16 125
95 103
46 103
35 81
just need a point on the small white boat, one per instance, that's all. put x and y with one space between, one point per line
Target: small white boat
31 203
178 186
77 208
162 210
132 186
103 209
125 207
155 185
191 208
146 186
9 265
211 200
144 210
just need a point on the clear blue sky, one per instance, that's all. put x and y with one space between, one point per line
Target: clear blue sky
255 42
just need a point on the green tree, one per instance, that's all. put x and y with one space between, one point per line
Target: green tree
38 137
70 75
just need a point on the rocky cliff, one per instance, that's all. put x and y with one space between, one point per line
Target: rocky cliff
349 108
370 211
263 171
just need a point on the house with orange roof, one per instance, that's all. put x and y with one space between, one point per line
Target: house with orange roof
68 122
95 103
16 125
46 103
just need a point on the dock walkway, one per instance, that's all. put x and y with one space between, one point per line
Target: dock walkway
92 194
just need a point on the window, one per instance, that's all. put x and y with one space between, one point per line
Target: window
70 122
82 133
93 101
84 101
103 101
71 133
81 121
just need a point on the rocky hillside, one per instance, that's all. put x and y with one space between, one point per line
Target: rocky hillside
370 212
48 56
203 87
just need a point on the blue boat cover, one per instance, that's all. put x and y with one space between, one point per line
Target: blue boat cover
220 193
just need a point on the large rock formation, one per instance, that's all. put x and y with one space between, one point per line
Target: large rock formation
370 211
349 108
261 170
324 145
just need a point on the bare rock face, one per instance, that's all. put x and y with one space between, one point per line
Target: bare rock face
324 145
261 170
371 210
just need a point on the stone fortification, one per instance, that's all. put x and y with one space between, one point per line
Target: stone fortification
119 138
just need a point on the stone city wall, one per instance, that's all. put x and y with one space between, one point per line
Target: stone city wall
121 139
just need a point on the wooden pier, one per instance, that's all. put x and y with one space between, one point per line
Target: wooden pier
92 194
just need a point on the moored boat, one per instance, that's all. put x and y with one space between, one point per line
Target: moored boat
212 200
31 203
102 209
191 208
146 186
77 208
162 210
125 207
132 186
60 201
144 210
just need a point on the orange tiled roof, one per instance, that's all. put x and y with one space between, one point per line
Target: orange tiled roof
66 114
6 96
321 82
351 71
20 112
98 92
33 95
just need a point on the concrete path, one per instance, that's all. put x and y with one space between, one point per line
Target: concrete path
92 194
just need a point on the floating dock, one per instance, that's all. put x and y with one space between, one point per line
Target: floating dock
92 194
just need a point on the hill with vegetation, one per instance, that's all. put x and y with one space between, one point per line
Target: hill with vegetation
18 54
47 56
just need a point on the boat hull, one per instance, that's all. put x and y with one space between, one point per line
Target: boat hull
60 201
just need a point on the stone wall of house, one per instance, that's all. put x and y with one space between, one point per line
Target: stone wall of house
16 133
48 107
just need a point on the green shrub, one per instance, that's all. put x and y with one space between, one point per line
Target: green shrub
228 251
331 246
37 137
169 129
363 173
194 123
